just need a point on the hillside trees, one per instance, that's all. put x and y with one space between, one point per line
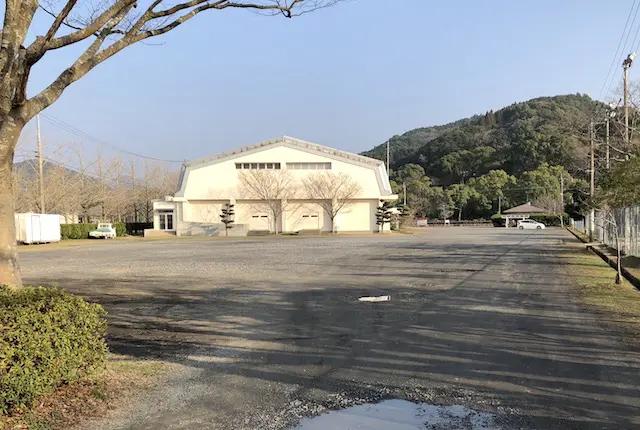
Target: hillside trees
460 195
492 192
525 135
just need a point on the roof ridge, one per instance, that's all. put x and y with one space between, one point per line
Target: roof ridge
287 139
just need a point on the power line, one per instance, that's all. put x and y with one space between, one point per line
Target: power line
615 56
77 132
636 41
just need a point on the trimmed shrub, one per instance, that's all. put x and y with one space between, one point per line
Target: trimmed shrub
121 228
81 231
48 337
550 220
547 219
76 231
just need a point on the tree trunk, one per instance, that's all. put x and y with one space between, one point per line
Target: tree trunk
9 268
460 214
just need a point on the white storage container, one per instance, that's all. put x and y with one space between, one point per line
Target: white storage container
37 228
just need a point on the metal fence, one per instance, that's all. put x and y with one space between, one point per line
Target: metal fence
626 220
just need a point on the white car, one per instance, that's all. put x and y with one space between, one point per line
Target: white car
104 231
530 224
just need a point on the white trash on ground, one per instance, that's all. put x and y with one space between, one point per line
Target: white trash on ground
375 299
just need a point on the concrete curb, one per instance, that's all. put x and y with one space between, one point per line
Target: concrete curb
610 261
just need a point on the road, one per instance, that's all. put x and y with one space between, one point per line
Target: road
270 328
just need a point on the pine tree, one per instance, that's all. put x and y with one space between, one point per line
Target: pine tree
383 214
227 217
403 214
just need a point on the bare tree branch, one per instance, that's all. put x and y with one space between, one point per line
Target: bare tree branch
88 31
57 22
333 192
274 188
66 22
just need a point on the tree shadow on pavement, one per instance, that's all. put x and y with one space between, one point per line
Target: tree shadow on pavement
503 335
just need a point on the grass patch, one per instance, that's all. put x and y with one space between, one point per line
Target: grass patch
597 288
90 397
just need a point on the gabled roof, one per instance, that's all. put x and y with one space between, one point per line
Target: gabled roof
526 208
290 141
377 165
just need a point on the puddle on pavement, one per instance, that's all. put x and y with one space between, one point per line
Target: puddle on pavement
401 415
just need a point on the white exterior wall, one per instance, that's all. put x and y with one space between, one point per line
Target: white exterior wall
158 205
359 216
220 180
203 211
246 209
295 217
208 184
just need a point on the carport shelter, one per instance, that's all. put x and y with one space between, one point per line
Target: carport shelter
521 212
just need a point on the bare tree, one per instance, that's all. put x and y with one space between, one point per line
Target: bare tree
107 28
609 219
552 203
157 180
333 192
274 188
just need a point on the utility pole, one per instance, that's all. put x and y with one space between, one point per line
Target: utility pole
592 213
626 64
607 141
101 179
135 197
562 199
40 165
388 157
404 192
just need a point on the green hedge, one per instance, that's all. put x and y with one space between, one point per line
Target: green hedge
76 231
81 231
547 219
47 338
550 220
121 228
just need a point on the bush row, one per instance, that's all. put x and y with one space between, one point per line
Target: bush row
547 219
81 231
47 338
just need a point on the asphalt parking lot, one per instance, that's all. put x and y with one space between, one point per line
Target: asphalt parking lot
269 329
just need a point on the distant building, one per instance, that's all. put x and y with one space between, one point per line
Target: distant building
206 185
521 212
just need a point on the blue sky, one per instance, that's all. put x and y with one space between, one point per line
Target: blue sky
349 77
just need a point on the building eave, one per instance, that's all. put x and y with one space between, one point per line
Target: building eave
293 143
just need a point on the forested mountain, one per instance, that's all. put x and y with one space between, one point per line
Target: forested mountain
515 139
531 151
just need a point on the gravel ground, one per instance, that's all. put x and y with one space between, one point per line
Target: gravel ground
269 329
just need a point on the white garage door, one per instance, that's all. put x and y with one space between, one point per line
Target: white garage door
259 222
309 221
